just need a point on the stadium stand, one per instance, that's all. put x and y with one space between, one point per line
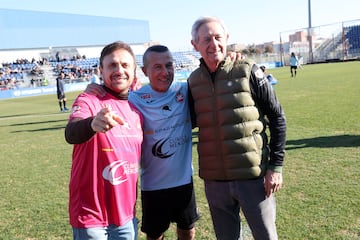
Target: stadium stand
353 39
77 68
335 42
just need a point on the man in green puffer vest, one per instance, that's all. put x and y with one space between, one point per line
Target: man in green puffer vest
233 103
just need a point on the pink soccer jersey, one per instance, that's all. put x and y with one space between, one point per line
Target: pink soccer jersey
104 170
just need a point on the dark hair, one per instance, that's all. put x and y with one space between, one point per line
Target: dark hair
154 48
108 49
263 68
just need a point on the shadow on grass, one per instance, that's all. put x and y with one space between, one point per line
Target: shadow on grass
6 117
61 125
325 142
18 115
40 129
31 123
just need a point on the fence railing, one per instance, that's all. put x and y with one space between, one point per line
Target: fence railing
332 42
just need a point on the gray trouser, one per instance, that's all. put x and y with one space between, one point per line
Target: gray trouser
226 198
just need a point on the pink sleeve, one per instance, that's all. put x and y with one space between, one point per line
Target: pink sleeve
85 105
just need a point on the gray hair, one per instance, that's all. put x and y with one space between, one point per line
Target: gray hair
202 20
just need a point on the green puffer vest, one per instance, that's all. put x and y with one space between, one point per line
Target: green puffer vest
232 139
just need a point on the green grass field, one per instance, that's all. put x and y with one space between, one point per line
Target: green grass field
321 194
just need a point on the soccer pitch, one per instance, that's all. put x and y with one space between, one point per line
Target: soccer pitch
321 194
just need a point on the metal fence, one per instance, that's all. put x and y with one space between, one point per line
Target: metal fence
332 42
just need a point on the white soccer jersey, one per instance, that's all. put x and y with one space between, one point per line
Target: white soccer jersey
166 160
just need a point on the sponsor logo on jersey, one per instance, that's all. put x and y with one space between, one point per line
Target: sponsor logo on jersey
158 151
115 173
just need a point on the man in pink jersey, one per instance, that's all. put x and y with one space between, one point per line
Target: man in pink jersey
107 134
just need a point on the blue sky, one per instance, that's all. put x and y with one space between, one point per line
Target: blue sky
170 21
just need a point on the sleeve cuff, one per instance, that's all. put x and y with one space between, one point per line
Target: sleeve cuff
277 169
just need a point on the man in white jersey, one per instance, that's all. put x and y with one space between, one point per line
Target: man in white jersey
167 192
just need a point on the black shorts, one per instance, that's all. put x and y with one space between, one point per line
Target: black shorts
61 96
161 207
293 67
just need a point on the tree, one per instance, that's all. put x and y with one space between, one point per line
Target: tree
269 49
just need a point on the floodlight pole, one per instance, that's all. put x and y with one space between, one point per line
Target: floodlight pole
310 33
281 53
